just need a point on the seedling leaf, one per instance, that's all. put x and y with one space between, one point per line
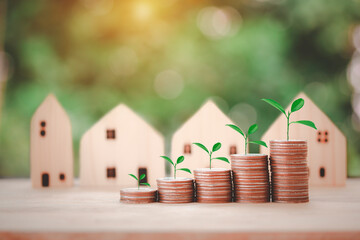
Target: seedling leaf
236 128
297 105
142 176
307 123
180 159
222 159
253 128
216 147
275 105
202 146
134 176
167 159
185 170
145 184
259 143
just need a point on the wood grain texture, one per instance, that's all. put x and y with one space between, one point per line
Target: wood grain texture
329 153
81 213
51 153
136 145
206 126
183 236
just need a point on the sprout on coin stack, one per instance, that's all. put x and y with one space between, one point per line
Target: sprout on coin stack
288 161
250 171
213 185
252 129
215 148
138 195
139 180
295 106
178 161
176 190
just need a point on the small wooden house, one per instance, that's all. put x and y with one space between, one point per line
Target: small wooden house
326 146
118 144
51 150
206 126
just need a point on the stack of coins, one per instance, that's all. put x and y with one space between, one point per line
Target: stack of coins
251 178
180 190
289 171
213 185
134 195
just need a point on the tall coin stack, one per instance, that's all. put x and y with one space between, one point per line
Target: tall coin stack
180 190
289 171
251 178
213 185
134 195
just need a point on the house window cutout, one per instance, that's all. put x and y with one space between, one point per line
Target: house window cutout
323 136
62 176
141 171
187 149
45 180
233 149
322 172
326 136
42 130
110 133
111 172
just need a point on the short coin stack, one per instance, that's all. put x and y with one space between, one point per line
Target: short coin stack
289 171
213 185
251 178
179 190
134 195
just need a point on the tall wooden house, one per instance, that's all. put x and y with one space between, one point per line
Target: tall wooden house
326 146
206 126
118 144
51 150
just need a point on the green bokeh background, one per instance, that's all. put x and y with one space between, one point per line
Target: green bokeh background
281 47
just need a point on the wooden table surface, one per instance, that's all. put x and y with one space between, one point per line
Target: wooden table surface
81 213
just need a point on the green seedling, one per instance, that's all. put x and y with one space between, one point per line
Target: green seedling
295 106
252 129
215 148
178 161
142 176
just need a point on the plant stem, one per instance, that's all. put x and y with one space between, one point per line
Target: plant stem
246 143
139 184
288 124
210 159
175 171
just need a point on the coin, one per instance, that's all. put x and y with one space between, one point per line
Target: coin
251 178
135 195
179 190
213 185
289 171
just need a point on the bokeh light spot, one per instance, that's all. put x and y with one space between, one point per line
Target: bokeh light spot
353 72
169 84
98 7
243 114
217 23
356 38
142 10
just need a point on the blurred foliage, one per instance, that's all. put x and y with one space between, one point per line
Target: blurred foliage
76 50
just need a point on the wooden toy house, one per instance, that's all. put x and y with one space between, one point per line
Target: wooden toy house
118 144
51 150
326 146
206 126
